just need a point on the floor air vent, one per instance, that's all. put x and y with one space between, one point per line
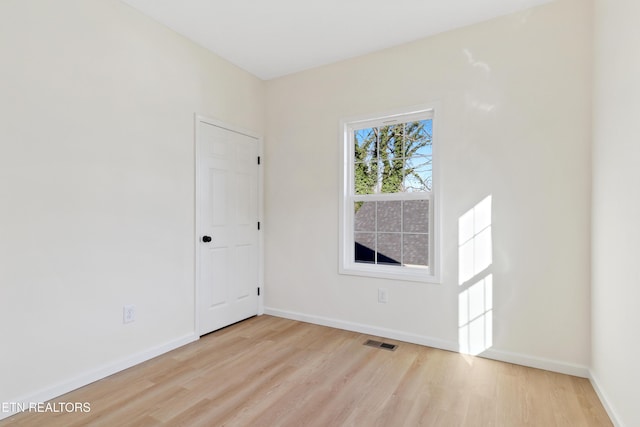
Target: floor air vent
380 344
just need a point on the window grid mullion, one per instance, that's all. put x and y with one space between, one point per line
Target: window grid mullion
375 233
378 162
402 232
390 197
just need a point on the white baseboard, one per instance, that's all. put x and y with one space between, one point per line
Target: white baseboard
100 373
503 356
537 362
605 402
364 329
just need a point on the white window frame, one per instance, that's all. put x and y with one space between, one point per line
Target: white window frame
347 264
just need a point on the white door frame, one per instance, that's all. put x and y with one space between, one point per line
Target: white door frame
197 149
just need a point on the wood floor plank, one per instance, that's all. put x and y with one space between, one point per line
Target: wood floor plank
271 372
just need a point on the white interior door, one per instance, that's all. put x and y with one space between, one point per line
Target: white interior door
227 226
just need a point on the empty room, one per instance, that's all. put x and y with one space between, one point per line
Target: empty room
304 213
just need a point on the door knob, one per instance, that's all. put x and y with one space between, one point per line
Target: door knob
206 239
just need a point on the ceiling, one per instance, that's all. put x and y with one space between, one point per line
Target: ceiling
272 38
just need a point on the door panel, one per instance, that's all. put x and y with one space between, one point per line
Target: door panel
217 213
219 263
227 205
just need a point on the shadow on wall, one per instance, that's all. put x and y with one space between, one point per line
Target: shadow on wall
475 298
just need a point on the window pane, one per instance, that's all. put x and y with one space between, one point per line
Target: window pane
415 216
418 174
391 139
365 247
389 248
390 158
391 173
365 177
389 216
365 145
364 217
365 157
423 150
415 249
418 141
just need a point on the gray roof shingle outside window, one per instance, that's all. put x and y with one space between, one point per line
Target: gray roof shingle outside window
397 230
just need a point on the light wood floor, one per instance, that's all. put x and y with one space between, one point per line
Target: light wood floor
269 371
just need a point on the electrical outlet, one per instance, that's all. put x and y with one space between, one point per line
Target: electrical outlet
383 295
128 314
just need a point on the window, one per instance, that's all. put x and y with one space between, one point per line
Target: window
388 215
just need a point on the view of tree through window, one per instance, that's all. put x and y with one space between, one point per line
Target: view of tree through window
392 160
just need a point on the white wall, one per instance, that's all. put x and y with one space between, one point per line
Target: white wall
97 184
616 207
515 94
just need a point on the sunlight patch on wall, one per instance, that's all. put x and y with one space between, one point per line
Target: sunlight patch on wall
474 241
475 63
475 317
475 300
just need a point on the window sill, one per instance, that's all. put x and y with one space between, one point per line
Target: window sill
408 274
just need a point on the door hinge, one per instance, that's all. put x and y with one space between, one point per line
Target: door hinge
258 290
258 159
258 225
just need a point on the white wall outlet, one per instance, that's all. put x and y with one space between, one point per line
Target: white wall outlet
383 295
128 314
